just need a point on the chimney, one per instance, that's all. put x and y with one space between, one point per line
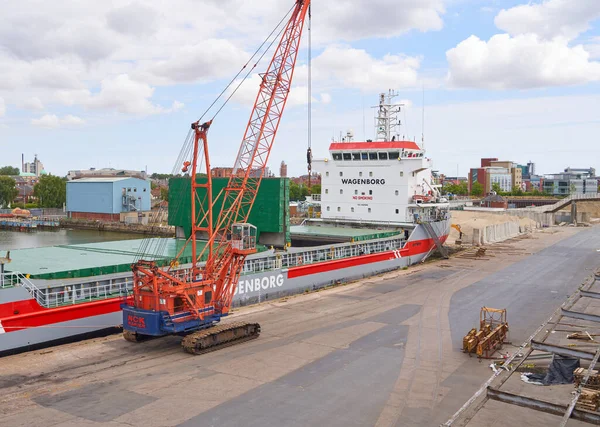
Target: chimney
23 162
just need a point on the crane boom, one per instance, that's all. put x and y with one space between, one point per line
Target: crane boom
189 302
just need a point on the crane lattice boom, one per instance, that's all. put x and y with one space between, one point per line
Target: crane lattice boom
167 302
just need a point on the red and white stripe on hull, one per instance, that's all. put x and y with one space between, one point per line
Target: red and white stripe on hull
24 322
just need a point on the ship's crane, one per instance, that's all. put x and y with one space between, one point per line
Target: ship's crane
191 302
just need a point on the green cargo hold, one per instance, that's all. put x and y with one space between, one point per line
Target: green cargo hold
270 213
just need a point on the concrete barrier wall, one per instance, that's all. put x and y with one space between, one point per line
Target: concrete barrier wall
497 232
544 219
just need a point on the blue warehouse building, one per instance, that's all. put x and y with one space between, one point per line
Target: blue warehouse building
108 198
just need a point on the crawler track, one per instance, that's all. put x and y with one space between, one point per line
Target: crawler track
220 336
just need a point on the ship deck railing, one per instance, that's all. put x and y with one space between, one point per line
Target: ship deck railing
58 293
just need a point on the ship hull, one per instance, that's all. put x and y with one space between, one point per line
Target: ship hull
25 324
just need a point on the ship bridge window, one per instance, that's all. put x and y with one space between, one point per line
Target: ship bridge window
336 156
382 156
326 173
347 156
393 155
372 156
360 174
364 156
355 156
401 173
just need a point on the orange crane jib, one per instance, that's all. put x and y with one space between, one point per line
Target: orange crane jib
186 301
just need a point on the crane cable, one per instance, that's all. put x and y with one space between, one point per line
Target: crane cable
255 64
151 247
244 67
309 150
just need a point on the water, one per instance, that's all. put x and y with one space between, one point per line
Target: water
10 240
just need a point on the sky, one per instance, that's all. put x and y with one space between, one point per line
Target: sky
117 83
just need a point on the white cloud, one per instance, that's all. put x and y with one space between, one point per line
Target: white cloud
52 121
535 51
62 52
125 95
348 67
325 98
202 61
550 18
521 62
2 107
33 103
134 19
356 19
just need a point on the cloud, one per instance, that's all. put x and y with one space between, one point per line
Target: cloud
52 121
534 52
2 107
202 61
33 103
519 62
348 67
350 20
549 19
63 52
125 95
134 19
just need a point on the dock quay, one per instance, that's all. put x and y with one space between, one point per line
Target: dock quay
25 224
397 335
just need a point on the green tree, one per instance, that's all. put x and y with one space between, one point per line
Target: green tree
516 191
9 170
298 192
461 189
496 187
164 193
477 189
8 190
50 191
316 189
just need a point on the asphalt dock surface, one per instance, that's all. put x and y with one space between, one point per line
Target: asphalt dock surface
381 352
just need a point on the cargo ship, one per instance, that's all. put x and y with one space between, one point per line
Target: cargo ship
379 192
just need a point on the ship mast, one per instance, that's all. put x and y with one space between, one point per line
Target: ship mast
387 121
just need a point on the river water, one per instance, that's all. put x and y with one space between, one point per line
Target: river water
10 240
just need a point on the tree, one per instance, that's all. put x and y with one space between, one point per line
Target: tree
164 193
9 170
477 189
51 191
298 192
8 190
516 191
461 189
496 187
316 189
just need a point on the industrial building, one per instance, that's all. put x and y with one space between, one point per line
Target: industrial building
563 184
506 174
109 199
105 173
36 168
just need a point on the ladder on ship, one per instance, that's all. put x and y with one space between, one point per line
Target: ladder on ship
440 246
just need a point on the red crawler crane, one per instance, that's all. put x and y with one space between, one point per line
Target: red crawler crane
191 303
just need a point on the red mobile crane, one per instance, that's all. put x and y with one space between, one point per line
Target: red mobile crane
191 302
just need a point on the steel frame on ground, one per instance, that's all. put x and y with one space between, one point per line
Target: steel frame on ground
491 389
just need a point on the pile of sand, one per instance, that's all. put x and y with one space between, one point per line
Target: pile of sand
591 208
468 220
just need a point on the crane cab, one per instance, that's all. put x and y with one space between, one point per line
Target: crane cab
243 238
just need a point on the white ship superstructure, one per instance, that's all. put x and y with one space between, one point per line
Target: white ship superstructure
387 180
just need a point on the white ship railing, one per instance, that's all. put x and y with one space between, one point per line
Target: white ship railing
57 293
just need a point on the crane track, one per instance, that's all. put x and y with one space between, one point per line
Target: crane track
220 336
